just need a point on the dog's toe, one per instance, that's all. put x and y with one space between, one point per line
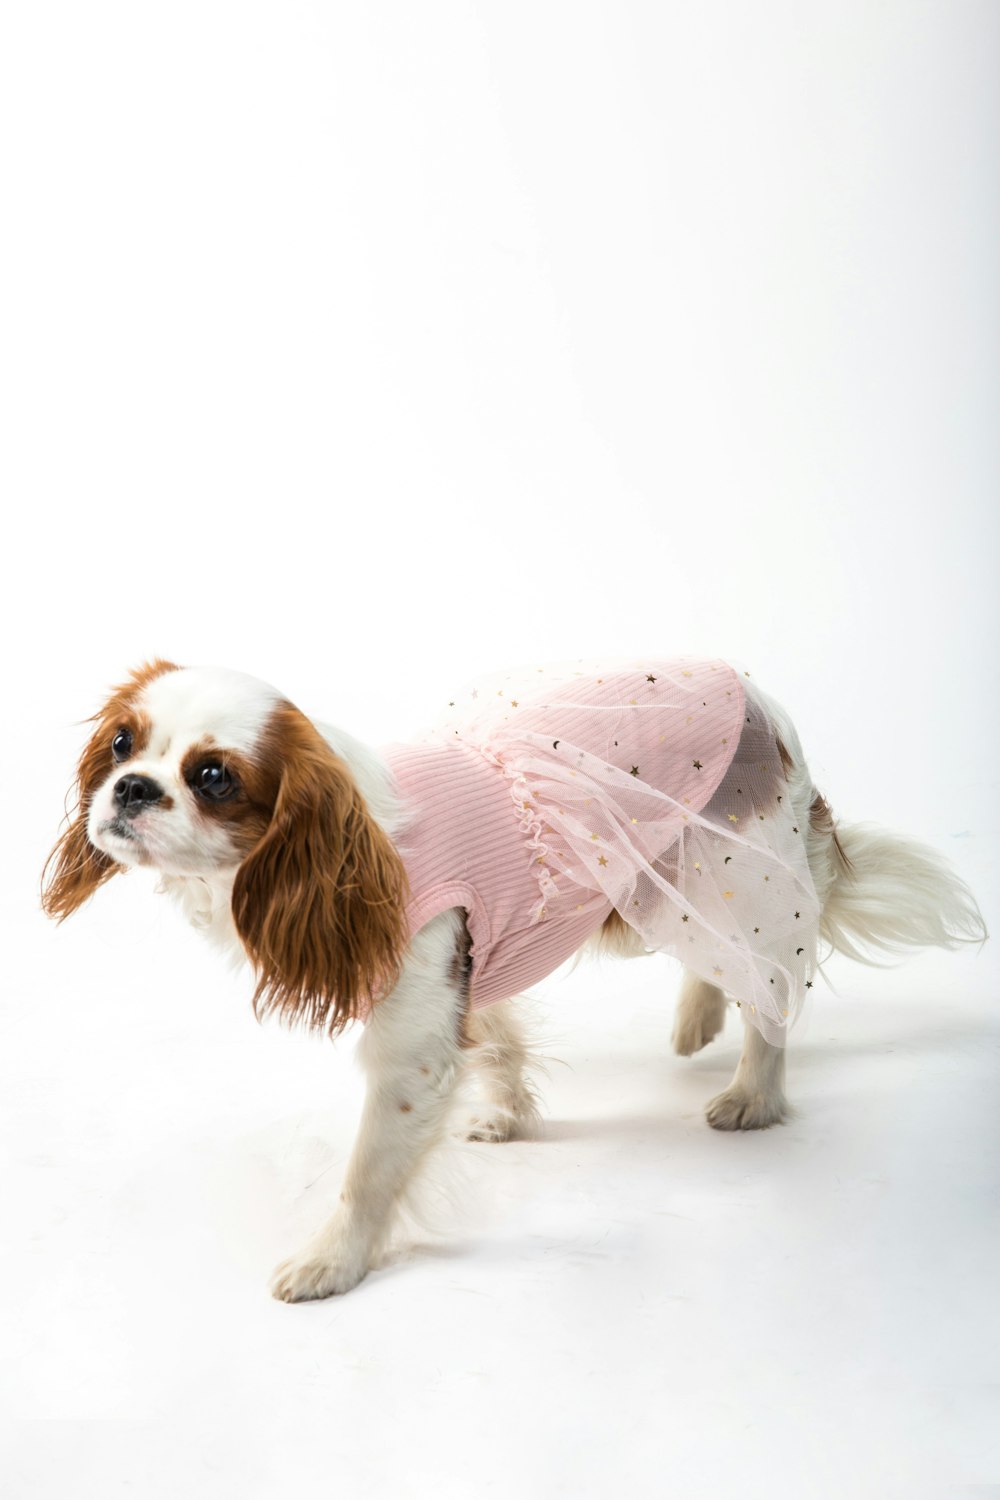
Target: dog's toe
496 1129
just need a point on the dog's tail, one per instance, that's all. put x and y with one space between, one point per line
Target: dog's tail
891 893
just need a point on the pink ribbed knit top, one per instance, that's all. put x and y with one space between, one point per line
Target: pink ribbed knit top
549 797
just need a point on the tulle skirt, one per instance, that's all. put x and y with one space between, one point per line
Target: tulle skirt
660 785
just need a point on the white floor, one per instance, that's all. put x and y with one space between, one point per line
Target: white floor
634 1305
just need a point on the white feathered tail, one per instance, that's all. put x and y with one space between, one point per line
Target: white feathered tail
883 894
891 893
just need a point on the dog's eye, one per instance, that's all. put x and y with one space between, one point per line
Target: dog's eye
121 745
213 782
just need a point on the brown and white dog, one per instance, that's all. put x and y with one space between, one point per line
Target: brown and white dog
278 837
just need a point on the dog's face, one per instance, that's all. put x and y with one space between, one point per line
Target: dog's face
190 780
203 772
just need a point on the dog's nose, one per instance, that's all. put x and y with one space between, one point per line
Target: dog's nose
133 793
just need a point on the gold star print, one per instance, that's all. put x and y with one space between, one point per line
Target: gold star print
596 837
513 703
733 818
633 700
684 917
728 895
602 860
717 972
687 674
633 820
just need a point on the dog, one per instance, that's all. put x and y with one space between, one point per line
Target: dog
630 806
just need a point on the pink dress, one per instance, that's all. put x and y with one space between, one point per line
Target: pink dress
546 799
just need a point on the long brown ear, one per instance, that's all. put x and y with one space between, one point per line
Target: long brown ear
75 869
320 903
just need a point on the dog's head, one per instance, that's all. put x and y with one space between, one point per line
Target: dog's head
202 772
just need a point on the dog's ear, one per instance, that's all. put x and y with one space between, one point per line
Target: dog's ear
320 903
75 869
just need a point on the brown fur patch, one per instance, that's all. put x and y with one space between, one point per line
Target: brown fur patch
75 869
821 819
460 975
247 815
787 762
320 902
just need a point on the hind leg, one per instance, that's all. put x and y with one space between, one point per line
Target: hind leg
501 1056
756 1096
701 1014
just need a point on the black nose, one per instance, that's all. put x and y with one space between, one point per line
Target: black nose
133 793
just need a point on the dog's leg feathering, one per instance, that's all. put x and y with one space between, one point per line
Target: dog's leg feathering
412 1054
500 1056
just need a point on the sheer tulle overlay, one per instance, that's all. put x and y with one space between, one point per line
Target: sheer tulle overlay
659 785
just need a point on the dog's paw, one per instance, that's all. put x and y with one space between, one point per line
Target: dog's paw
697 1024
735 1109
496 1130
700 1017
311 1276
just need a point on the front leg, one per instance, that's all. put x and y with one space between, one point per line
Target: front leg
412 1054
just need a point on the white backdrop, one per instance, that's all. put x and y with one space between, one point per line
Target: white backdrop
366 347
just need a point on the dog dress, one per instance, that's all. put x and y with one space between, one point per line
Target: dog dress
546 799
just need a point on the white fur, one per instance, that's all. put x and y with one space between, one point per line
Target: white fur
894 894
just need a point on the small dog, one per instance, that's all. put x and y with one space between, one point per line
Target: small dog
629 806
